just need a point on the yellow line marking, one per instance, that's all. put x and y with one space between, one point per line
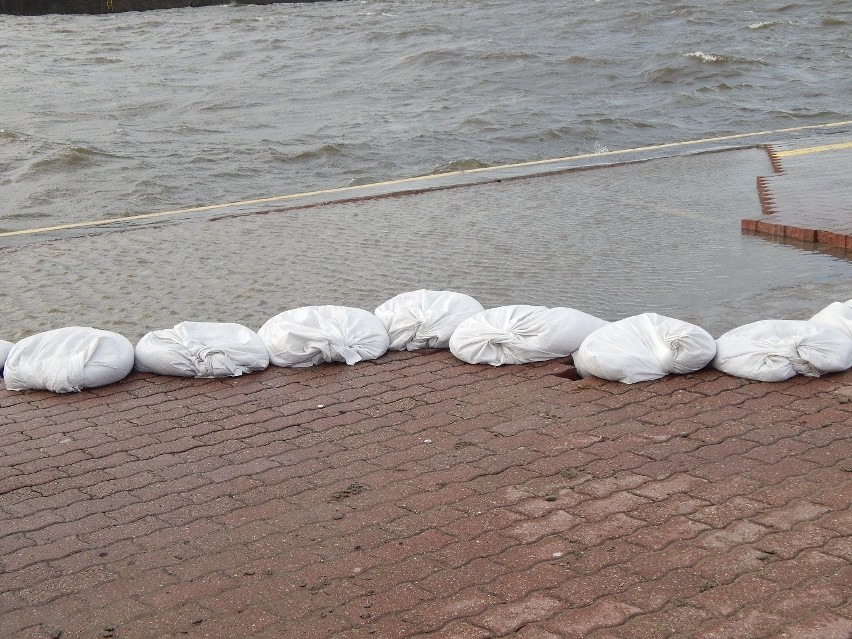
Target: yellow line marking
420 178
195 209
814 149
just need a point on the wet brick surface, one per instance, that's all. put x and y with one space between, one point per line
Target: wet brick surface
422 497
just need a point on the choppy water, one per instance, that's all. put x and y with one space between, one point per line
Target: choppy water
127 113
104 116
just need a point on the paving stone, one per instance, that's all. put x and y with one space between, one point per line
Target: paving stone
748 624
603 613
677 619
822 626
505 618
696 506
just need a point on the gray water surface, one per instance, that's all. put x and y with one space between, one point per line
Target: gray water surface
103 116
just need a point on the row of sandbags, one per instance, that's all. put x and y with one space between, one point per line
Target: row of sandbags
72 358
637 348
649 346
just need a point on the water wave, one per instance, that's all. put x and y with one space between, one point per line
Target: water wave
10 136
724 86
67 159
27 215
400 32
459 165
765 25
429 59
322 152
505 57
718 58
363 181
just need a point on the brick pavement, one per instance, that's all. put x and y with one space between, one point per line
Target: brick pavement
422 497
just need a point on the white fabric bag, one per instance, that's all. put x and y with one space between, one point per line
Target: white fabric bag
202 349
5 347
644 347
836 314
425 319
315 334
521 334
775 350
68 359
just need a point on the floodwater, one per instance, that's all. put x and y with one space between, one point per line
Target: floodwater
114 115
660 236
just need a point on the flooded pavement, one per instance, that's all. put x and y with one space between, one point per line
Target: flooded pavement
660 235
809 198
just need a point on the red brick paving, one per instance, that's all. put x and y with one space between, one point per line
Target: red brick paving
418 496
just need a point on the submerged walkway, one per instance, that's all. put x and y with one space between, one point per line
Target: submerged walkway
419 496
809 198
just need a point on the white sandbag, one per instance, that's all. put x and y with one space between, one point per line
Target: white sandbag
775 350
644 347
315 334
68 359
5 347
202 349
425 319
521 334
836 314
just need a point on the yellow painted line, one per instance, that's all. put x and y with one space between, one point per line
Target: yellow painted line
420 178
814 149
195 209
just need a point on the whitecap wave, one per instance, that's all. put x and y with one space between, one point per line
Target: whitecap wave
705 57
714 58
766 24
